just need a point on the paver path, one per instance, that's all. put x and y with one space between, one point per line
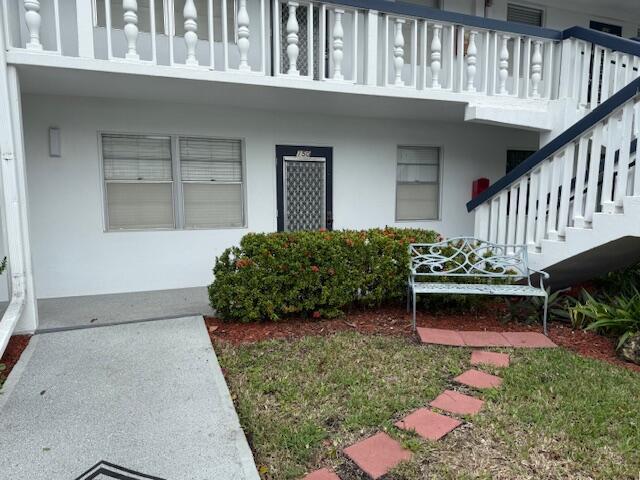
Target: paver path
377 455
463 338
149 397
380 453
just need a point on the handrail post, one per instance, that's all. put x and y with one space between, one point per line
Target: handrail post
566 68
371 48
84 20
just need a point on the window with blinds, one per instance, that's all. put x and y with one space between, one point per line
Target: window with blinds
139 181
522 14
211 173
142 178
418 183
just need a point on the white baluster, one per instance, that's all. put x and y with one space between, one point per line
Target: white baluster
531 209
243 36
338 44
33 20
398 51
436 55
555 166
292 39
481 224
472 52
190 31
502 217
624 155
536 68
565 194
130 8
504 65
578 190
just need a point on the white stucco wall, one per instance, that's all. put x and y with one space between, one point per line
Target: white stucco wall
74 256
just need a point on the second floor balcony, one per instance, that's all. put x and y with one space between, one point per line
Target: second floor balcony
495 69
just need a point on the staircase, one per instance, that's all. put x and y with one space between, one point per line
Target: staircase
576 201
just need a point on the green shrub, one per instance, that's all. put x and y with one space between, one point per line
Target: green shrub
273 275
619 315
623 281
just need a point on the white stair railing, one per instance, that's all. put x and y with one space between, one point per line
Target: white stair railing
591 172
597 67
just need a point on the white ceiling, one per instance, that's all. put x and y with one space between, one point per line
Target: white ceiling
61 81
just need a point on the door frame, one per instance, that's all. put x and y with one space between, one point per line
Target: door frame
310 151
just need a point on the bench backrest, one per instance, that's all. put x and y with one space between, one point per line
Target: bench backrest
469 257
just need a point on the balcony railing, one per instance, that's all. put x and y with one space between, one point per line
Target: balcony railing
372 43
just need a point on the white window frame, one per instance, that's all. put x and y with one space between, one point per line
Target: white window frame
438 217
176 184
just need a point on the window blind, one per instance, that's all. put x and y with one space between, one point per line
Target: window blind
212 205
210 160
136 157
138 175
139 205
522 14
211 172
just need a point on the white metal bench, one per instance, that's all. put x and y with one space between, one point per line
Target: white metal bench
489 268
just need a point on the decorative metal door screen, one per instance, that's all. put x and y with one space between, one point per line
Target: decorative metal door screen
305 186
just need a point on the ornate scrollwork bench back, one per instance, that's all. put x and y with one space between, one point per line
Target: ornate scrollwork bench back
469 257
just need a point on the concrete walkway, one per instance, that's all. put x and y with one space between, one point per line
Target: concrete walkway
149 397
94 310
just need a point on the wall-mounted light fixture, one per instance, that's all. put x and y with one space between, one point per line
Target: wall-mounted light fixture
55 145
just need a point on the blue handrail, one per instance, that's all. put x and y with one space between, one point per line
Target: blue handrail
574 131
412 10
624 45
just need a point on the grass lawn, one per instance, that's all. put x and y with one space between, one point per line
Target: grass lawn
556 415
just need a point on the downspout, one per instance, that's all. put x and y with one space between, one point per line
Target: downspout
11 217
16 266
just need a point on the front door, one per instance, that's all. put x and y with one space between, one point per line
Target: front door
304 187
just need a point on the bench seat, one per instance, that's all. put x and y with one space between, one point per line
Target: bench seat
478 289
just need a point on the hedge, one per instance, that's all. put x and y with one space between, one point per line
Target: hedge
317 274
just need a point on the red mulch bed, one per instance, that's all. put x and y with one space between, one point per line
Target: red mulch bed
11 355
395 321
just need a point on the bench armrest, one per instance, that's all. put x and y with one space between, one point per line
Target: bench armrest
543 276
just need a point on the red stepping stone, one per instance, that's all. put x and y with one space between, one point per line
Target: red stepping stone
484 339
377 455
439 336
478 379
459 403
322 474
494 359
528 340
429 425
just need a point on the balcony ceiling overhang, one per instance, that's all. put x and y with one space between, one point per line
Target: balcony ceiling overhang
148 83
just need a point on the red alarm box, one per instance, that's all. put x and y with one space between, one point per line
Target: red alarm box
479 185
